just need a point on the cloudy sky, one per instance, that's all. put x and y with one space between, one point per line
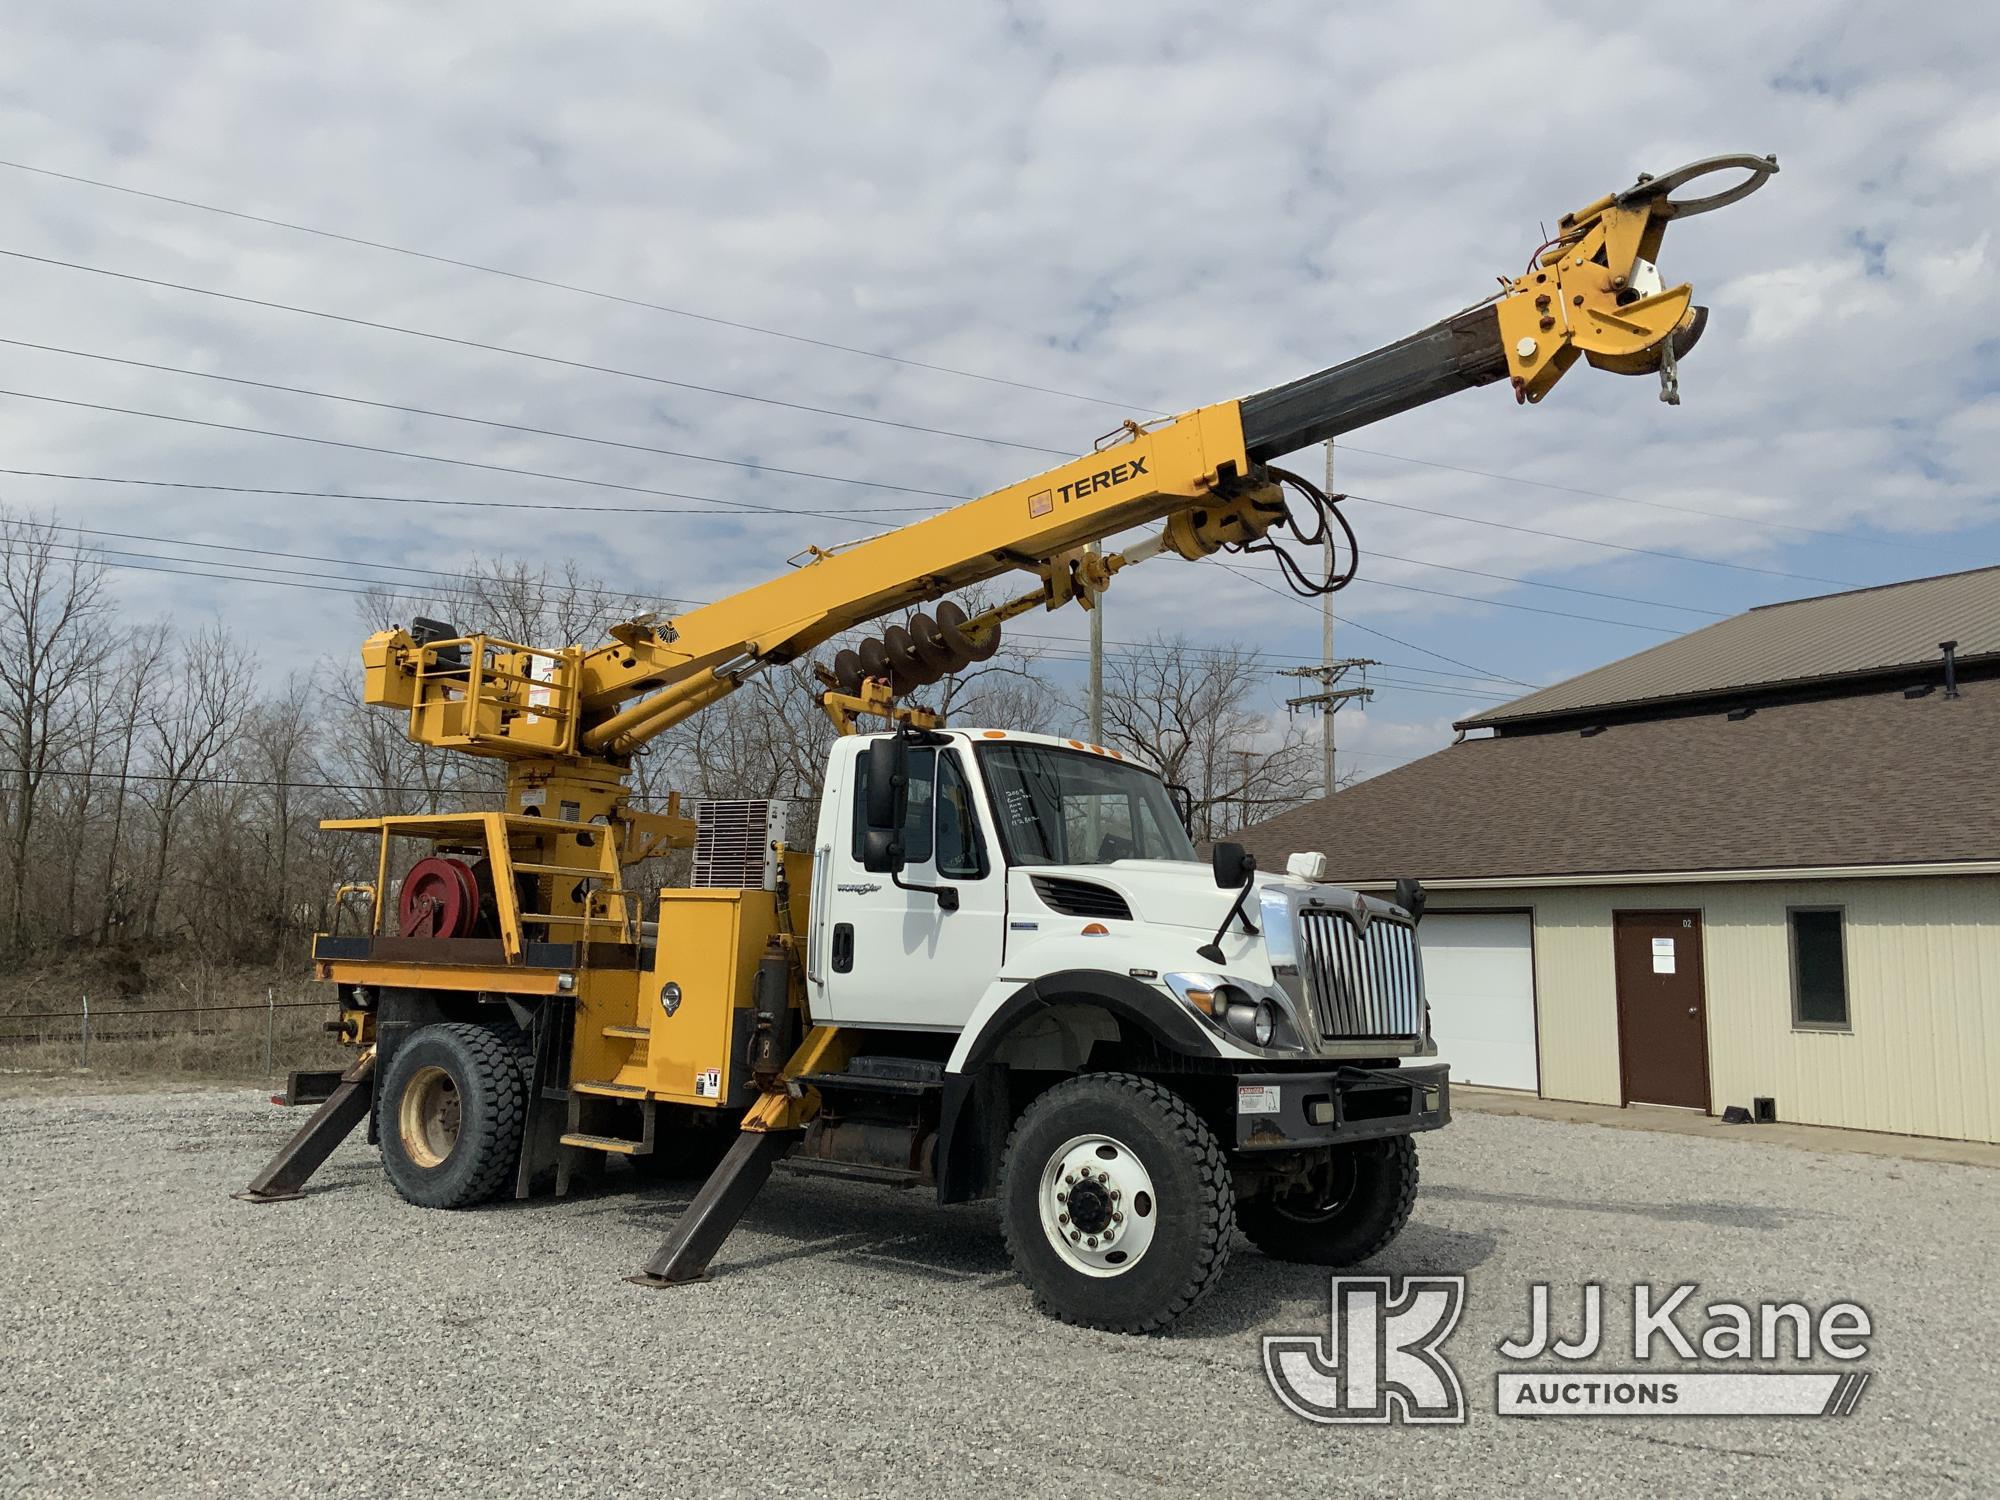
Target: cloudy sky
1103 211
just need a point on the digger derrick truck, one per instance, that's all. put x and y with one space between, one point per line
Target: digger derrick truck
994 967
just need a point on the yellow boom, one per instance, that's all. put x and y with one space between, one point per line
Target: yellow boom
568 718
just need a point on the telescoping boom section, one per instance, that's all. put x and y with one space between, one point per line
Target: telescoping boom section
979 937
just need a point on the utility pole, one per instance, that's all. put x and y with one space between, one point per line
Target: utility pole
1331 669
1326 634
1096 658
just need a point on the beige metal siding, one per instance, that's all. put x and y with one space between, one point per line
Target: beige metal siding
1923 984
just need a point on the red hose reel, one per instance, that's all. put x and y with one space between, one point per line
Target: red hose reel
440 899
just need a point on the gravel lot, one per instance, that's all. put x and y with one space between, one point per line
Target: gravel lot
162 1339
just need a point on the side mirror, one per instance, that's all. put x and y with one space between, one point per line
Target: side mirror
1233 865
882 851
1412 897
888 784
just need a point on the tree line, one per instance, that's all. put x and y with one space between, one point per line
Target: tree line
161 788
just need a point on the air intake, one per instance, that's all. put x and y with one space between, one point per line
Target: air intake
732 845
1081 898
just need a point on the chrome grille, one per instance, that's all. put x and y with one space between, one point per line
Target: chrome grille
1363 982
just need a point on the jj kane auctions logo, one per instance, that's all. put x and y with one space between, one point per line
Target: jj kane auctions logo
1382 1359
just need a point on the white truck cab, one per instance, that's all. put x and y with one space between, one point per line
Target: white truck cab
1135 1048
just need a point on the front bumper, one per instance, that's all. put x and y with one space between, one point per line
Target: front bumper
1299 1111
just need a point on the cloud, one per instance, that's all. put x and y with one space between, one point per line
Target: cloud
1166 214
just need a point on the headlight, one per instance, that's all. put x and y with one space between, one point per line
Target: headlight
1254 1020
1247 1017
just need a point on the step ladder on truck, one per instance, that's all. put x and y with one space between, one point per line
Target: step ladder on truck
991 964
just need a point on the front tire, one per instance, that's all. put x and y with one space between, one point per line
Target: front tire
1117 1203
1358 1200
451 1111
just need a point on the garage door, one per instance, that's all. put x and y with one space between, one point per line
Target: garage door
1479 974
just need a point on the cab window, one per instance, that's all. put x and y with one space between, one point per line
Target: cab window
960 853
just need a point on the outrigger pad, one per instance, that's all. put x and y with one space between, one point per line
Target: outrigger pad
707 1222
347 1106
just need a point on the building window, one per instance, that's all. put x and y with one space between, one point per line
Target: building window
1819 968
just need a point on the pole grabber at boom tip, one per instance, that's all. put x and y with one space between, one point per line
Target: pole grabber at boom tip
1593 290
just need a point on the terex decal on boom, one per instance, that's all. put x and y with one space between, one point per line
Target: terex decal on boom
1103 479
1043 501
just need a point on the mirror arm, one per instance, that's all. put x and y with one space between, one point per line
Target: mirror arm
947 895
1212 949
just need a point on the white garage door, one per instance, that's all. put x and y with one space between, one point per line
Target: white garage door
1479 973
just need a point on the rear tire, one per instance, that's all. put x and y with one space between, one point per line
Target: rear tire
450 1114
1359 1201
1117 1203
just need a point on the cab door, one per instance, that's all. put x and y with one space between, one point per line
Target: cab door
895 957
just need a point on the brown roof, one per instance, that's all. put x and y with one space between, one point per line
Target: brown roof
1801 642
1865 780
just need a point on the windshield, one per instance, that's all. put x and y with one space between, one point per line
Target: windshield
1060 807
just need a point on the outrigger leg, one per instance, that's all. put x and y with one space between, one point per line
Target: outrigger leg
771 1128
706 1223
284 1176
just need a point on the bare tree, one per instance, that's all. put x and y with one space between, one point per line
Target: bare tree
52 623
137 670
1191 712
189 730
278 751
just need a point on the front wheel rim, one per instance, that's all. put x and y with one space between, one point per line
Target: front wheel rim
428 1117
1098 1206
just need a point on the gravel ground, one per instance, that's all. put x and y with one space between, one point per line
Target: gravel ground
162 1339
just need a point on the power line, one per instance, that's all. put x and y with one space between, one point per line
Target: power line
646 448
1873 541
1535 583
584 291
1562 536
1377 631
605 591
148 562
463 343
258 782
761 513
467 463
826 515
571 589
1531 609
1686 510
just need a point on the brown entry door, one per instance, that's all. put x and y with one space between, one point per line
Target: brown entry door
1662 1012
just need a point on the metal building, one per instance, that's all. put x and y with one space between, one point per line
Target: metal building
1758 865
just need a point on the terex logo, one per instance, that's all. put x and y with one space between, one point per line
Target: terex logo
1103 479
1380 1362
